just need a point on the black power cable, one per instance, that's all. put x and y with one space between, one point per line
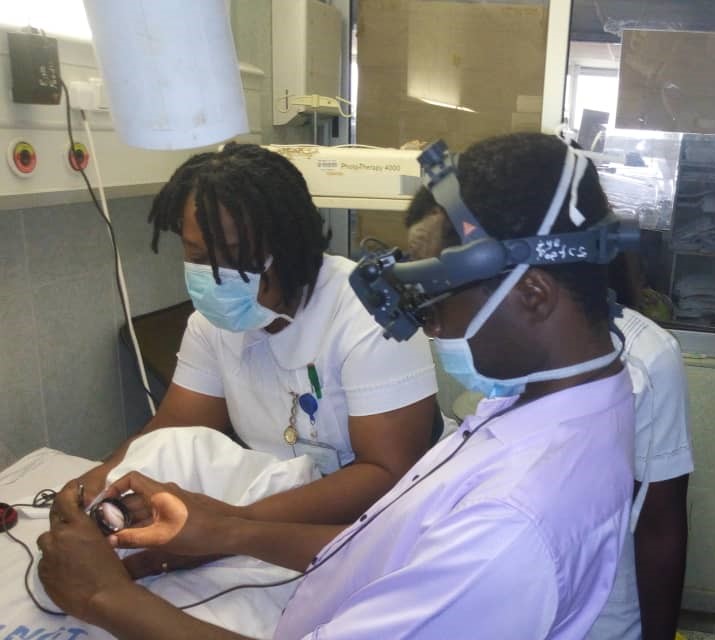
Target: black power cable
44 500
317 564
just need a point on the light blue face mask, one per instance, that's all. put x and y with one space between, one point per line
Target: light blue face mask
455 354
232 305
457 361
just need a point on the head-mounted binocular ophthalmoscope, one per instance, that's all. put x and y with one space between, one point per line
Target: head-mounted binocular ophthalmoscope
398 292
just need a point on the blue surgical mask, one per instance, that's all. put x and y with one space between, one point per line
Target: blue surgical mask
458 362
232 305
455 354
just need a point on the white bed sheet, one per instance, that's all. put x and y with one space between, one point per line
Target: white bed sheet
197 459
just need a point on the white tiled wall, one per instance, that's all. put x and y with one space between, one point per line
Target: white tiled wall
61 384
64 380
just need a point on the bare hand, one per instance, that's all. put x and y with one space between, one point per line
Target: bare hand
139 509
77 562
181 523
93 482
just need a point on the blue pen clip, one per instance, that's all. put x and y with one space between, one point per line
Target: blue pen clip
309 404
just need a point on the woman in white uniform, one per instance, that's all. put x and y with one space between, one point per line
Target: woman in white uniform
280 350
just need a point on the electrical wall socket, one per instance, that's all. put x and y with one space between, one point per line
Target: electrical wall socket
88 95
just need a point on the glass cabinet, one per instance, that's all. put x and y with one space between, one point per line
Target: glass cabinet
638 94
691 241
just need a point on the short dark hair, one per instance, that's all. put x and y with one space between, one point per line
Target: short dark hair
421 205
508 182
263 192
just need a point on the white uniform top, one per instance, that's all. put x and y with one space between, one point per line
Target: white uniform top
663 450
360 372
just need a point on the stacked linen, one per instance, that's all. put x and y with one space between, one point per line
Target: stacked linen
695 298
697 235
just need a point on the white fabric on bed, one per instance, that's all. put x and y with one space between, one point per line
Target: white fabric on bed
197 459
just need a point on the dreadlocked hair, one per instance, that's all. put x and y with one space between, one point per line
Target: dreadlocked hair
268 202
